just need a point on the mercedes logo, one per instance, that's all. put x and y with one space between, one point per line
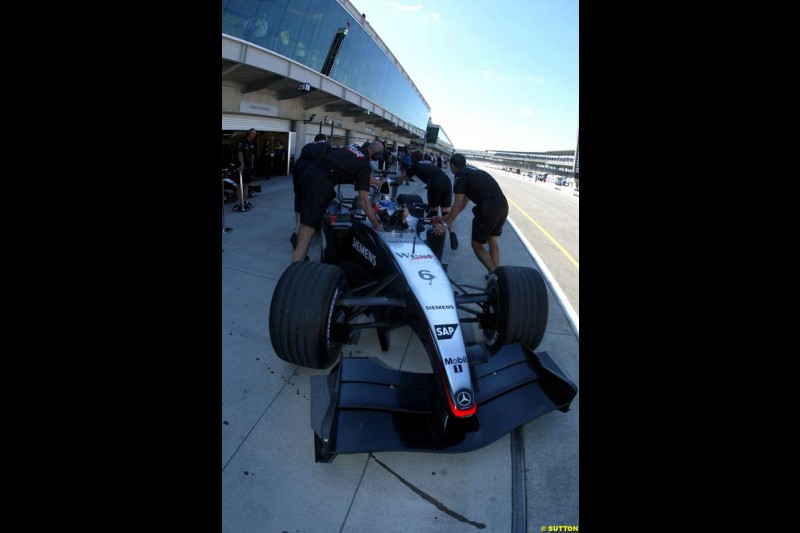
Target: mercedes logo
464 398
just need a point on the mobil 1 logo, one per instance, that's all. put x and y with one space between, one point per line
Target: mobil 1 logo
445 331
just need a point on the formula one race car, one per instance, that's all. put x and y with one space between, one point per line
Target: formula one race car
475 393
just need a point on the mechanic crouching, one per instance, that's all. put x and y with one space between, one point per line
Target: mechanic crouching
317 188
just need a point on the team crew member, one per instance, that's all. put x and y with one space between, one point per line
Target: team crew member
245 153
311 152
491 209
317 187
440 191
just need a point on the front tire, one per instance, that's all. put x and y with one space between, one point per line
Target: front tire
518 308
305 324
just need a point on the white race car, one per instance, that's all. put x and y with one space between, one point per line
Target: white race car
475 393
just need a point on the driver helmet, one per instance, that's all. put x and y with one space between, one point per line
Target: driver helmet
388 205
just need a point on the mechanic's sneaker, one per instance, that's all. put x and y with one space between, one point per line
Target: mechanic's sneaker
248 206
238 207
293 240
453 241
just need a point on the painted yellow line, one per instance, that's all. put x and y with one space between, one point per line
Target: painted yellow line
563 251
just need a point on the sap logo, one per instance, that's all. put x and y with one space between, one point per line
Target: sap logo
437 307
366 252
455 360
445 331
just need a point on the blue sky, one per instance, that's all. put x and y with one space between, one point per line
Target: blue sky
498 75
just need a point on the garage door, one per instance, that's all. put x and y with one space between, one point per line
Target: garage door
245 122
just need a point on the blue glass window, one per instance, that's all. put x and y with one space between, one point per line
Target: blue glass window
303 30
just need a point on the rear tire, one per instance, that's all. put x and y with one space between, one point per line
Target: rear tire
518 308
305 325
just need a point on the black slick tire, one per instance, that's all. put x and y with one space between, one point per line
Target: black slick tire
304 321
518 309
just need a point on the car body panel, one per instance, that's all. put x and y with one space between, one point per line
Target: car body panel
469 399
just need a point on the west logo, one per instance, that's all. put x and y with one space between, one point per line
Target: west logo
406 255
366 252
445 331
356 149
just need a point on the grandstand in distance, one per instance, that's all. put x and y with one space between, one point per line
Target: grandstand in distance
559 162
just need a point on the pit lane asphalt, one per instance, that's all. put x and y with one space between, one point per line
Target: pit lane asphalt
270 482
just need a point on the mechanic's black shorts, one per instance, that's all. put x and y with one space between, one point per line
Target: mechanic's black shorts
488 222
440 194
247 174
299 167
315 193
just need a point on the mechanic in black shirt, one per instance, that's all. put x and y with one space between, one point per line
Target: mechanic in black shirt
387 156
245 155
440 190
491 209
317 187
310 153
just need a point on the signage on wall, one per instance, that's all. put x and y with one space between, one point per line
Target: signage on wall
258 108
